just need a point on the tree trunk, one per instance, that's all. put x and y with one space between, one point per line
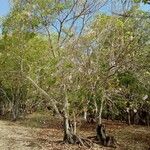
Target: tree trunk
15 111
103 138
46 95
85 114
100 131
101 135
96 108
128 116
74 124
68 130
2 109
100 110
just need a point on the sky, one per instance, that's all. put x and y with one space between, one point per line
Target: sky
5 7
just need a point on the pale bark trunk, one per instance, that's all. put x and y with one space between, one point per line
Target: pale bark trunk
67 128
85 115
96 108
101 109
66 117
74 124
46 95
129 119
100 113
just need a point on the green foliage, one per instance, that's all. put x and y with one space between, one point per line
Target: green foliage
144 1
111 55
126 79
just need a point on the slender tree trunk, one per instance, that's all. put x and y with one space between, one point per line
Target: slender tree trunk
67 131
67 126
99 129
2 108
46 95
148 118
74 124
85 114
66 116
128 116
100 110
101 134
14 115
96 108
15 111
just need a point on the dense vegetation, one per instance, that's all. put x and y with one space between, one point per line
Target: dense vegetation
77 62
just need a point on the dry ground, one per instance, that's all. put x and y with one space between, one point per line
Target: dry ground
39 132
14 137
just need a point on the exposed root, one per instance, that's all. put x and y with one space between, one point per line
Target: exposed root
103 138
87 142
75 139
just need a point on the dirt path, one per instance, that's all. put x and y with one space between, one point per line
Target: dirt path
15 137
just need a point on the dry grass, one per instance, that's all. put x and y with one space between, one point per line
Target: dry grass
41 132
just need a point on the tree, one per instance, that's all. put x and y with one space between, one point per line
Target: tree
57 20
111 44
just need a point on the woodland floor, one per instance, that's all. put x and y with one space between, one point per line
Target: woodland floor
40 132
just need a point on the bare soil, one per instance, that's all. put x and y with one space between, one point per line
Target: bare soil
28 135
15 137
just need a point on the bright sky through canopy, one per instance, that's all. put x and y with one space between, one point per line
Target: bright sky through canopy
5 6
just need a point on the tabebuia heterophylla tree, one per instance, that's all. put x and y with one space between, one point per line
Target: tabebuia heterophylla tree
59 22
113 43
